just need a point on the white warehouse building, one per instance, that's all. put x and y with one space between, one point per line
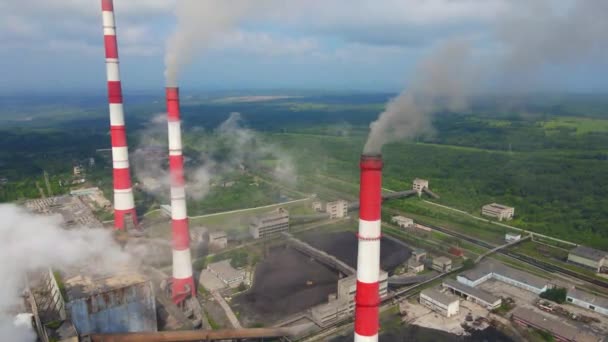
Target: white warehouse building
444 303
588 301
508 275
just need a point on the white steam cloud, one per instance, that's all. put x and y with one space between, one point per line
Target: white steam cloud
229 148
199 22
532 34
35 243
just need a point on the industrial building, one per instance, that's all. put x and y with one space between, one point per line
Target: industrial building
419 254
342 304
588 301
419 185
560 330
442 264
414 266
318 206
402 221
472 294
590 258
226 273
499 211
93 304
218 240
510 237
337 209
508 275
74 212
270 224
443 303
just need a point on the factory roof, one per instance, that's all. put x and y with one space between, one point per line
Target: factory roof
442 260
486 268
217 235
82 286
224 270
589 253
556 327
588 298
443 298
471 291
498 206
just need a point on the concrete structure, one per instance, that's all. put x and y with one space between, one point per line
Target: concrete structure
270 224
78 170
419 254
124 205
475 295
402 221
560 330
318 206
419 185
499 211
508 275
226 273
442 264
368 258
590 258
182 283
337 209
588 301
443 303
342 304
413 265
73 210
114 304
510 237
218 240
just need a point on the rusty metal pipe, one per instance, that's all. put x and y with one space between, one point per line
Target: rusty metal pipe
192 335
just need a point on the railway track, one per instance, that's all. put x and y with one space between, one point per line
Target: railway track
526 259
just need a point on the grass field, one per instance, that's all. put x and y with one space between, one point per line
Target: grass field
579 125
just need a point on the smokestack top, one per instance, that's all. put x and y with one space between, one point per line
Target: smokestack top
371 161
172 93
107 5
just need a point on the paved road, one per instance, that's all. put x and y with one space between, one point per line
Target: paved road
229 313
250 209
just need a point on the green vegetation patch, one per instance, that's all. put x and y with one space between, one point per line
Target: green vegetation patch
578 125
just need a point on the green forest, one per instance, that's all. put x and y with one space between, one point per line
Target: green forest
547 156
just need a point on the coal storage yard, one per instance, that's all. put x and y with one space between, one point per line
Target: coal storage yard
343 245
286 282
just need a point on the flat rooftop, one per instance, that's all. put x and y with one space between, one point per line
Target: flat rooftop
556 327
83 286
486 268
224 270
589 253
498 206
590 298
443 298
471 291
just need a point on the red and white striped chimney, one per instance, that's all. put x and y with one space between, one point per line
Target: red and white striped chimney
124 205
183 283
367 298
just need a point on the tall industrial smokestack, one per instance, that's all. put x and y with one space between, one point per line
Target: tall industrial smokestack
124 206
367 298
183 284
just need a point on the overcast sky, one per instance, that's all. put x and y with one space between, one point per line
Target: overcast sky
327 44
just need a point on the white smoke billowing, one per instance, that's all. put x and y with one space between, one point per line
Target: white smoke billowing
531 35
35 243
199 22
229 148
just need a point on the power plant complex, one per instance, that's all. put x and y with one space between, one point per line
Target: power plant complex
257 270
